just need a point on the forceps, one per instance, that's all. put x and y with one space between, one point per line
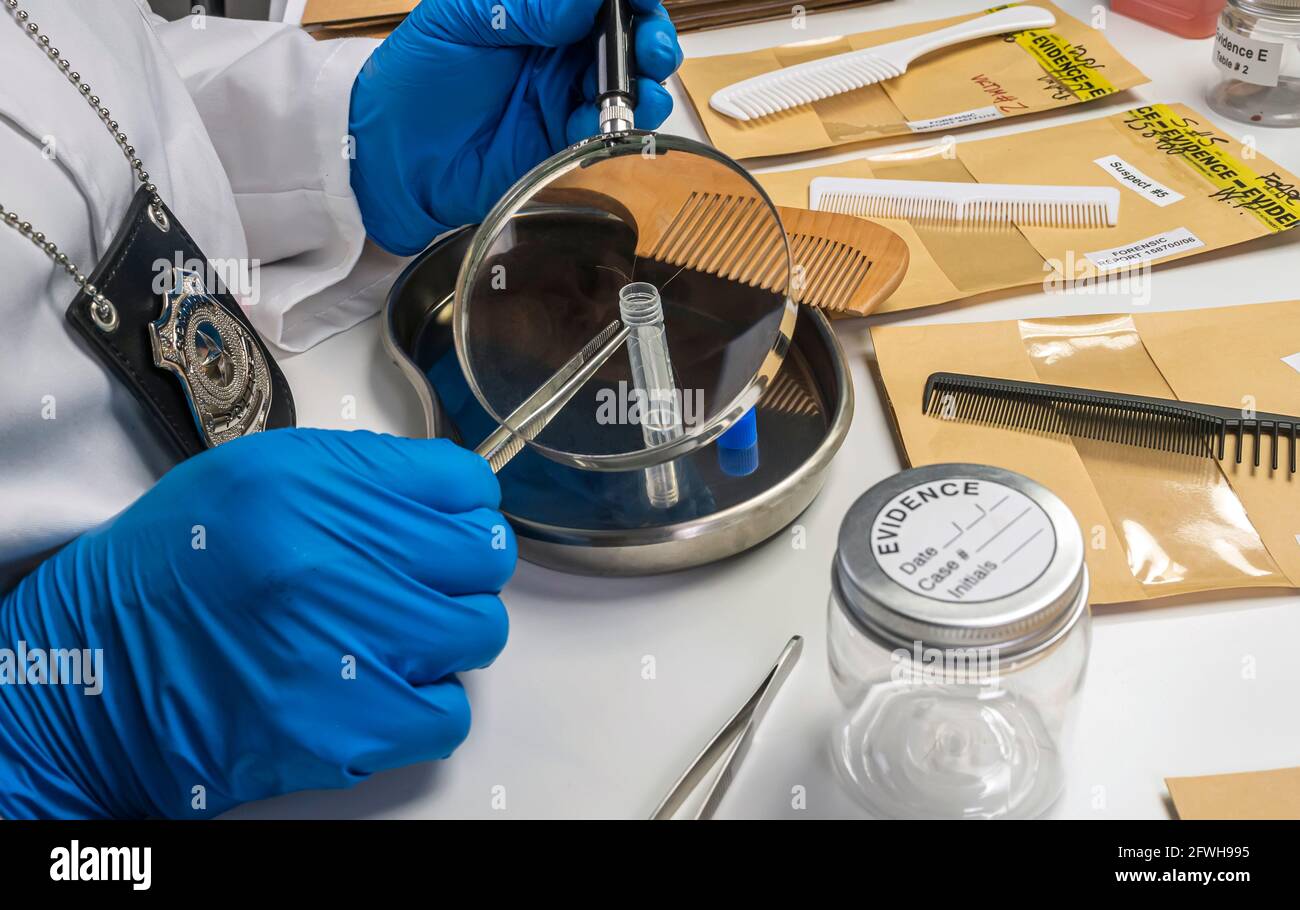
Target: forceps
540 408
730 743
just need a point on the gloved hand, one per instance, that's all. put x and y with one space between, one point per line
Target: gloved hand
467 95
284 612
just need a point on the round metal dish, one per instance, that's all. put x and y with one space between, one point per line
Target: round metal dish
599 523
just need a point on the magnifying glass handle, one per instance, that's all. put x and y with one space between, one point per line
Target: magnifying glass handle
615 68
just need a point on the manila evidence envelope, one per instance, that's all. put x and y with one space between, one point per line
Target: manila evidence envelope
1155 524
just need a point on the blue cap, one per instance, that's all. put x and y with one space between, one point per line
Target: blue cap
742 434
738 462
738 447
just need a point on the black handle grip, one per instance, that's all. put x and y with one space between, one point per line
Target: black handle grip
615 63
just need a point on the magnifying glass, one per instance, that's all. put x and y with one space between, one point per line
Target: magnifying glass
607 345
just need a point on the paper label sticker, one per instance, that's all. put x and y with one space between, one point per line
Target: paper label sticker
1245 58
1179 240
1293 361
963 540
965 118
1129 176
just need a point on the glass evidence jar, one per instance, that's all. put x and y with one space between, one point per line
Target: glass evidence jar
1257 55
958 638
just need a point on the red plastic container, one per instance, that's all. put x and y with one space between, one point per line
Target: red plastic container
1189 18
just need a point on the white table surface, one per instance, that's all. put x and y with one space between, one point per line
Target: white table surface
566 726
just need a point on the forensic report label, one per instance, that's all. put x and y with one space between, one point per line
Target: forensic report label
1179 240
948 121
1129 177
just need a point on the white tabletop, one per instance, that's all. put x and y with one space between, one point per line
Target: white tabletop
566 725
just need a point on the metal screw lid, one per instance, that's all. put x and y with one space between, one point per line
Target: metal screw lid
961 556
1264 7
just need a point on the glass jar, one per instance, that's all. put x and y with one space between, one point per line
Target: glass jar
1257 56
959 634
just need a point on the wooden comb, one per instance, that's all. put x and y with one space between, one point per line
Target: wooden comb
718 224
841 263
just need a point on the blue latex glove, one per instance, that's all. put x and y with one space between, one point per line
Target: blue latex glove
230 603
466 96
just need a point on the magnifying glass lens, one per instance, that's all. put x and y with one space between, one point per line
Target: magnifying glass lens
659 234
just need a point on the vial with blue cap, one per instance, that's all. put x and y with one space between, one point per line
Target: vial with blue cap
738 447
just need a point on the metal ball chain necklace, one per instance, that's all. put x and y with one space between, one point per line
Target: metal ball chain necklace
102 309
227 379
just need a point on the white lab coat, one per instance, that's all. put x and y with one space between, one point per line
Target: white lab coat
242 125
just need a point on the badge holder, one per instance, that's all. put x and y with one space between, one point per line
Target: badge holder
188 353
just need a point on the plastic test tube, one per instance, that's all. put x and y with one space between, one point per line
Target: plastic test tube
655 388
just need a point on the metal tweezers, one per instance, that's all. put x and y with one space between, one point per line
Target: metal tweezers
540 408
729 745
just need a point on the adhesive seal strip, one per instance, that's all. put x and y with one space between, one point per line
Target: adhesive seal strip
1275 204
1063 61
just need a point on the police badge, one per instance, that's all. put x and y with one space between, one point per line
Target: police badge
215 358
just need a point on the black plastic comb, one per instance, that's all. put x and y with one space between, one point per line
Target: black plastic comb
1153 423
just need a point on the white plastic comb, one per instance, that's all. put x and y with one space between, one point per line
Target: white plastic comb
977 204
807 82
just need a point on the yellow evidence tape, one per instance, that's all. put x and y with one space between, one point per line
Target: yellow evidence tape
1273 198
1069 64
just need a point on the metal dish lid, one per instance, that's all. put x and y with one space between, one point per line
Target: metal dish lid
961 556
